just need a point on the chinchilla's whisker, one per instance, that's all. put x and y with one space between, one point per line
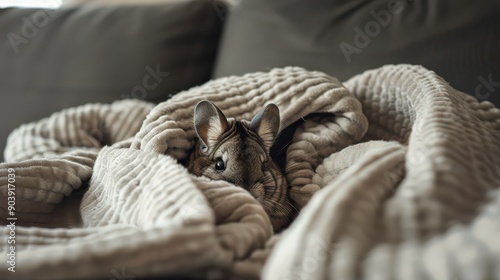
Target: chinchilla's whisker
292 206
284 147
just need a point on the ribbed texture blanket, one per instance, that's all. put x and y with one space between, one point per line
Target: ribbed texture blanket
396 176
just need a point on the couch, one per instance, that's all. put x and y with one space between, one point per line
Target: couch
51 60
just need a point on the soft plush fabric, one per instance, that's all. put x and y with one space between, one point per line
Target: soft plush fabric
458 39
55 59
397 177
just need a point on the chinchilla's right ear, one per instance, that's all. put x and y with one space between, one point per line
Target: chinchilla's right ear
267 124
209 123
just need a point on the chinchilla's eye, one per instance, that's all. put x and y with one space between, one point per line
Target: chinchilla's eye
219 165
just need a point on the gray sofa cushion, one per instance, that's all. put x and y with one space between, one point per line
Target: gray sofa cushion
54 59
458 39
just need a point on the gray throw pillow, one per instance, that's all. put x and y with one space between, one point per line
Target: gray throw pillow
54 59
458 39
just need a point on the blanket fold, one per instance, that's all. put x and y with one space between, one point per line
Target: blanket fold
405 228
394 172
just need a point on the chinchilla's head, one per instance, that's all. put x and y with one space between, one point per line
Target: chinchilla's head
237 151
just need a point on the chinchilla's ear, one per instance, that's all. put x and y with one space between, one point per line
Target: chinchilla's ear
209 124
267 124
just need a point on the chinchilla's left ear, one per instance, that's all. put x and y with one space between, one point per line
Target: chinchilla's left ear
267 124
209 123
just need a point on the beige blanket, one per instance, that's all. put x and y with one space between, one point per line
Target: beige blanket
401 179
